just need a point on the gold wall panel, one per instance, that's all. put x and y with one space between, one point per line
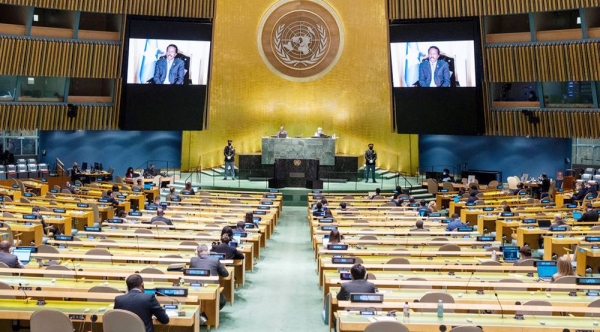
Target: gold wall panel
566 123
564 61
411 9
248 101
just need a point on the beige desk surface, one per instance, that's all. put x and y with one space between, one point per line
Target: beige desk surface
428 322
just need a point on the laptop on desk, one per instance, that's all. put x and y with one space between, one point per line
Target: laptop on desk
546 269
510 254
23 255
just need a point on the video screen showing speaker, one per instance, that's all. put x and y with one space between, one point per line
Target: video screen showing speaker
166 69
436 68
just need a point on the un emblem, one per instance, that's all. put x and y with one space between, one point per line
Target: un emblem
300 40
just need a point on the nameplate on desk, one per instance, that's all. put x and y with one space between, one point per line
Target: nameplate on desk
28 194
259 212
240 234
435 215
248 226
572 206
121 196
592 238
77 184
337 246
529 221
76 317
164 204
150 291
265 206
329 228
175 199
82 205
15 186
92 229
256 219
443 190
217 255
270 196
588 281
196 272
318 197
172 291
32 249
522 193
25 288
545 201
136 190
366 298
488 208
266 203
151 207
63 237
345 276
342 260
171 306
558 229
413 204
465 229
115 221
326 220
507 214
316 191
486 238
135 213
500 187
470 204
102 200
446 221
318 213
273 190
29 216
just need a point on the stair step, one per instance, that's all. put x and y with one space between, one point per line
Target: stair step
334 180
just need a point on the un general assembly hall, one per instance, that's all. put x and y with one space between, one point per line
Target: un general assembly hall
299 165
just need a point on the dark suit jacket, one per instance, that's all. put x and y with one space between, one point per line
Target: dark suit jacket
441 74
591 215
9 259
355 286
206 262
143 305
176 73
230 252
580 194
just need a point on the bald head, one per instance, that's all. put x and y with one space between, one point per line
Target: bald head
4 246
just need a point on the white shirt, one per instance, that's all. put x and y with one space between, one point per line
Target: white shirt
433 65
169 64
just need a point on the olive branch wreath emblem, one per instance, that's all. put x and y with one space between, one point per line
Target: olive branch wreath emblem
323 42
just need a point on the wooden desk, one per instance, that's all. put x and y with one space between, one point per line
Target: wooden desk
29 233
21 310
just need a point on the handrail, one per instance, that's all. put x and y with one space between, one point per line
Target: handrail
59 166
198 172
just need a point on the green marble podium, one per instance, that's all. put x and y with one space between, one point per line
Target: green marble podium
322 149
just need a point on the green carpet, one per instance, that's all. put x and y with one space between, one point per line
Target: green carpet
282 294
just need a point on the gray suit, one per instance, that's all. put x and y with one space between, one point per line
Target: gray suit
10 260
355 286
209 263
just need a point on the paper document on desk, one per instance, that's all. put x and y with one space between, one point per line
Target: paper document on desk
374 319
171 313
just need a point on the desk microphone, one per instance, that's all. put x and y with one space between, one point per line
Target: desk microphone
468 281
23 289
499 303
74 270
423 247
180 311
442 267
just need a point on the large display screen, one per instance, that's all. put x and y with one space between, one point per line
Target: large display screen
166 69
436 76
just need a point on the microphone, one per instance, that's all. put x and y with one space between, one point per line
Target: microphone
500 304
468 281
75 270
157 232
180 312
423 247
23 289
442 267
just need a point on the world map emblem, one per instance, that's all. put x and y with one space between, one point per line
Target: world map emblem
300 40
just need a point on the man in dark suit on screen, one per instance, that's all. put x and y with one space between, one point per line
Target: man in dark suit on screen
141 304
169 69
358 284
435 72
